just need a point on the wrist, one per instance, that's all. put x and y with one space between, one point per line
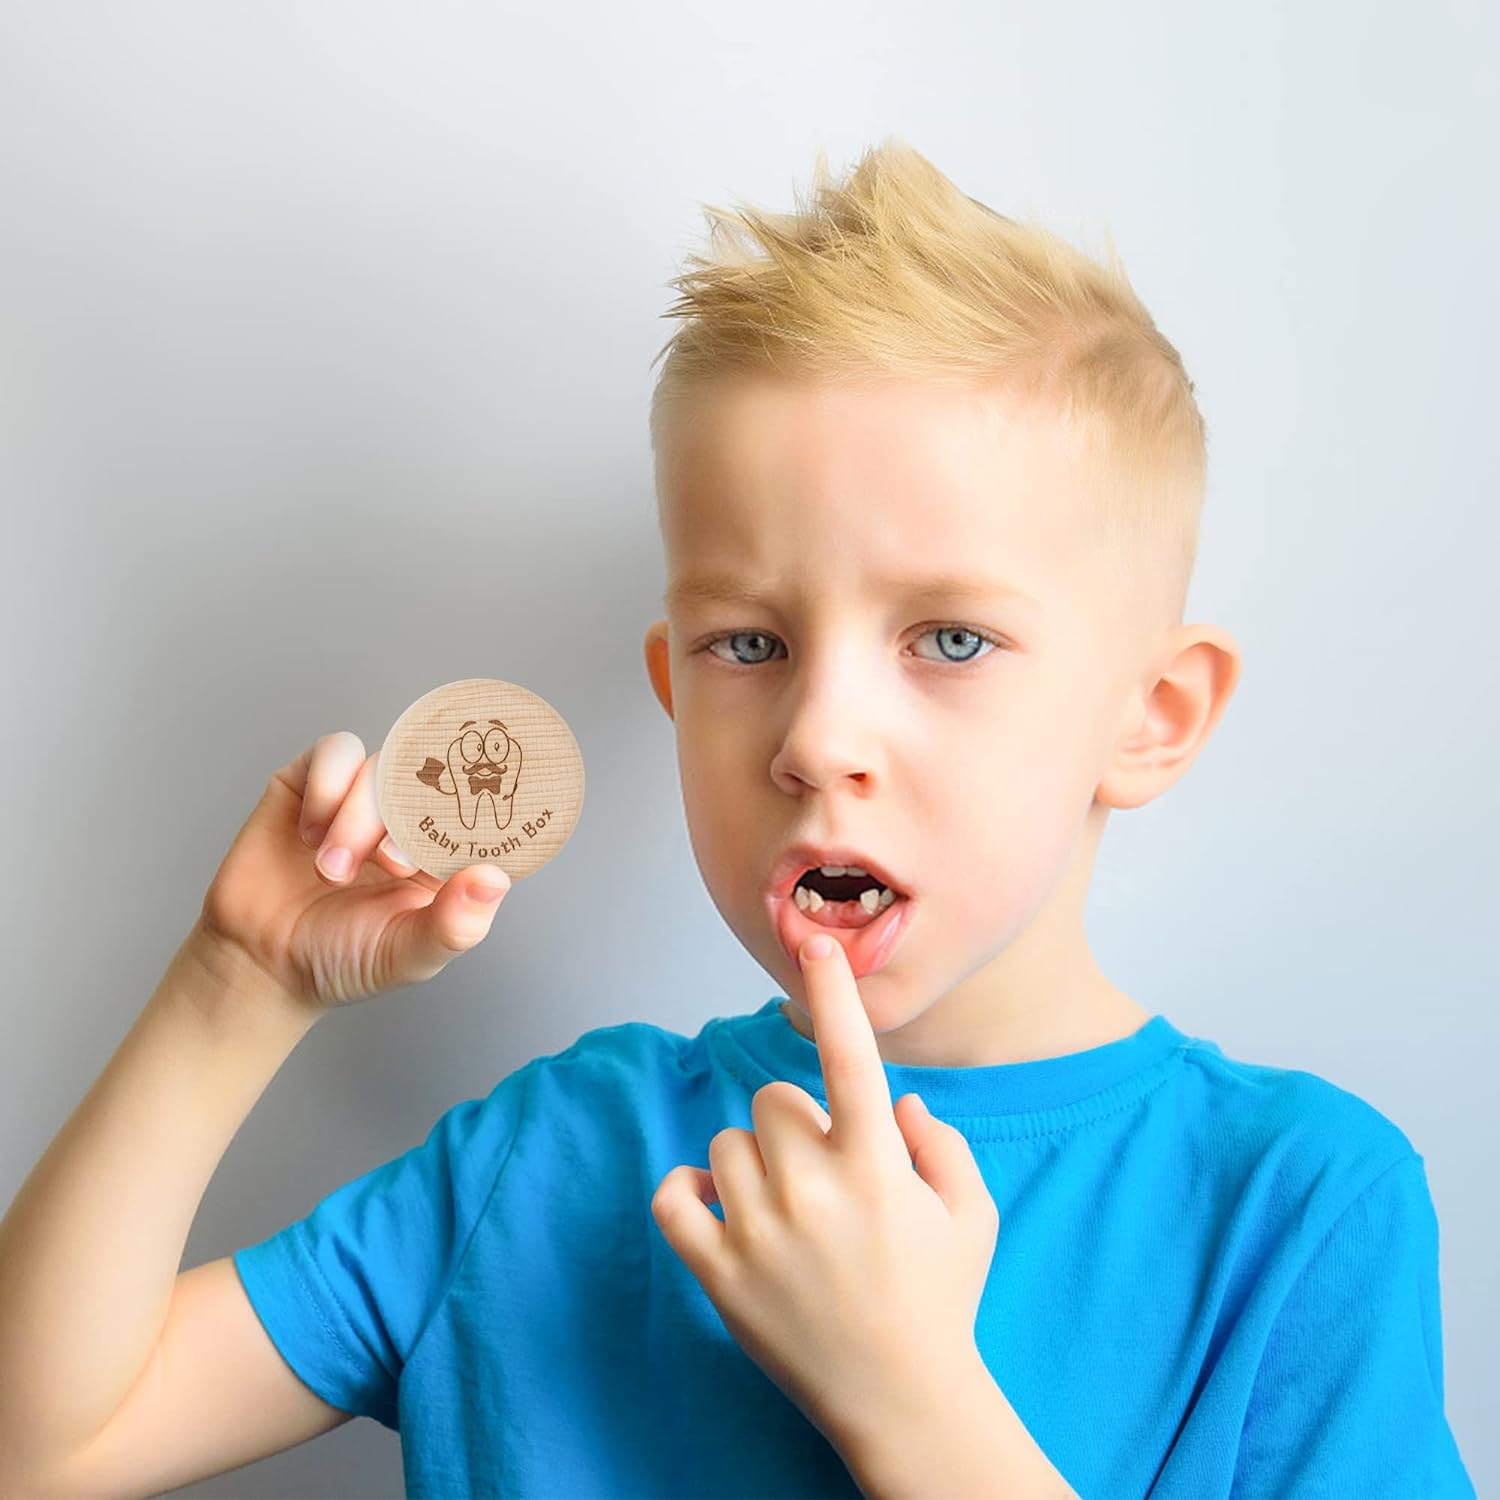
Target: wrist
891 1440
224 984
954 1433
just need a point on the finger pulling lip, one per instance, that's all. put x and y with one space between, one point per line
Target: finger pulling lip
867 948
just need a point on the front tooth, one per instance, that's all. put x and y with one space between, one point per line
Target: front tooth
799 895
834 870
887 895
814 900
870 899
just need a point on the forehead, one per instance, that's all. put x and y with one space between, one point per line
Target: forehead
770 478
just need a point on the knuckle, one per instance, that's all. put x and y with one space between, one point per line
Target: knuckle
778 1088
850 1065
347 739
330 752
808 1199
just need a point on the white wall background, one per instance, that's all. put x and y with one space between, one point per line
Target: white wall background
292 296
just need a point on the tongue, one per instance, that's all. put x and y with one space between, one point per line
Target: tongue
842 914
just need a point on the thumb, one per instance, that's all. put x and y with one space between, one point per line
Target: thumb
427 938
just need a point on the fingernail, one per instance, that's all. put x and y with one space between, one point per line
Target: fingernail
817 947
393 854
334 863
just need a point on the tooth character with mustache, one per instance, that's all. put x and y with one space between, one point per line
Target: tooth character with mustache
487 764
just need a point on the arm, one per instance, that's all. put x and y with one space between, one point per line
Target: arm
968 1443
1348 1398
90 1247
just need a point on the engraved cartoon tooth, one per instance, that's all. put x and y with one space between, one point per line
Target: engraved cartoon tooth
484 764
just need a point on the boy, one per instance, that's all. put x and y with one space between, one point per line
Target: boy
929 485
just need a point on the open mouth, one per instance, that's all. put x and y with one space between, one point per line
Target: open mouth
841 900
866 916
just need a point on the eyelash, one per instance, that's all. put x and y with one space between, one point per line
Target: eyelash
995 641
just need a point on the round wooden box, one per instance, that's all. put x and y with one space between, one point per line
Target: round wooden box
480 771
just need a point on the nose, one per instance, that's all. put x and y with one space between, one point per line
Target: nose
832 731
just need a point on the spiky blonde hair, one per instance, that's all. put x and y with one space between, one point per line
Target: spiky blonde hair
896 272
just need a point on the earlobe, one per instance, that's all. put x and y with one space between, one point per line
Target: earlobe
659 663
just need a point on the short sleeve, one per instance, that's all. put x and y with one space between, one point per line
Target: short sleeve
346 1292
1348 1399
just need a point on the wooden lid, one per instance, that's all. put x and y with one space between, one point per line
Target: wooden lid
480 772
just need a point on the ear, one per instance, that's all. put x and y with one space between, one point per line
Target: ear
1169 722
658 663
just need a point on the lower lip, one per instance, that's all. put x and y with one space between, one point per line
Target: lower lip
867 948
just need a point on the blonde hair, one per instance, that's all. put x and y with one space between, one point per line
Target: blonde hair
895 272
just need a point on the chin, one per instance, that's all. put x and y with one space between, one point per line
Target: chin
883 998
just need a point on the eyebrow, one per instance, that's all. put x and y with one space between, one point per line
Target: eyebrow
726 589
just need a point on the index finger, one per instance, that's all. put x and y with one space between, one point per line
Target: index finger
859 1096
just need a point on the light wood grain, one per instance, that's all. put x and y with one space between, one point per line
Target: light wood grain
480 771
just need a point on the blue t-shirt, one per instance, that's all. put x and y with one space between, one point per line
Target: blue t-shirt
1212 1279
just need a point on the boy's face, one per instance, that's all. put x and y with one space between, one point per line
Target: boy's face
848 708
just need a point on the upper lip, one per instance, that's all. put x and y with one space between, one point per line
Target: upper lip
799 857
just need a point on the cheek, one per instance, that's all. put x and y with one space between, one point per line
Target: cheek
1011 818
713 765
720 828
1009 860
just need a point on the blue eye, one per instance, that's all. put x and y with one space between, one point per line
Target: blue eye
980 637
754 635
